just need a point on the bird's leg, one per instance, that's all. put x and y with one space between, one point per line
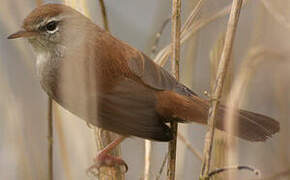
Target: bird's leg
105 159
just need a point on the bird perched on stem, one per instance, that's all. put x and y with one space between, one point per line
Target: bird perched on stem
114 86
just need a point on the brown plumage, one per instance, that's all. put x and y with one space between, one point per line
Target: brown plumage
112 85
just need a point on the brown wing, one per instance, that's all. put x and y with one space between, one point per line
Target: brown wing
129 109
251 126
155 76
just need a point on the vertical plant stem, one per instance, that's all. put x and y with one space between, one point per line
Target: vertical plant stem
217 91
50 139
50 127
220 143
162 56
148 149
104 15
103 137
62 143
175 36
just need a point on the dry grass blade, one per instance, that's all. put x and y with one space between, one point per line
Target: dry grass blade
158 36
192 15
222 69
281 91
162 166
280 18
189 146
162 56
248 68
164 53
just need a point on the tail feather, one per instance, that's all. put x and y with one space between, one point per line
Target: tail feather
249 125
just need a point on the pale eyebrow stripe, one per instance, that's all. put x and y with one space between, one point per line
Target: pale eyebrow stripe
48 20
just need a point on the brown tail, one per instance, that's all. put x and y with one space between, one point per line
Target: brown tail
250 126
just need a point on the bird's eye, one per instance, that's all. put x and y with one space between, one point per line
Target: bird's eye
51 27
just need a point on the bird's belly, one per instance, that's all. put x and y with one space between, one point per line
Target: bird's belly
73 92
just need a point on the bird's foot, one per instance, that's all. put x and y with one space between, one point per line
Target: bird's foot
106 160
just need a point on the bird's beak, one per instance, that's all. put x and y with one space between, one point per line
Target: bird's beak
22 34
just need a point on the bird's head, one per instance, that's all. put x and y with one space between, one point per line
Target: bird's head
53 25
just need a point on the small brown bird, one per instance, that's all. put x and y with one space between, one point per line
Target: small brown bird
114 86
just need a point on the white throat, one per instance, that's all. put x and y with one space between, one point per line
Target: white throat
48 60
42 58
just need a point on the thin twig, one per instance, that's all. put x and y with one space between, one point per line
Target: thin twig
175 38
189 146
222 69
281 90
104 15
148 143
192 15
158 36
50 139
50 127
224 169
163 54
62 143
162 166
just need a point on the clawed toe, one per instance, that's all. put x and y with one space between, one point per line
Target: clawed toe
106 160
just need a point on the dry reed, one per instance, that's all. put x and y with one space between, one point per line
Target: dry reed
50 128
63 145
240 85
163 54
222 69
175 38
147 159
50 139
219 158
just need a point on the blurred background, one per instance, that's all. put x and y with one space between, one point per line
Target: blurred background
263 33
